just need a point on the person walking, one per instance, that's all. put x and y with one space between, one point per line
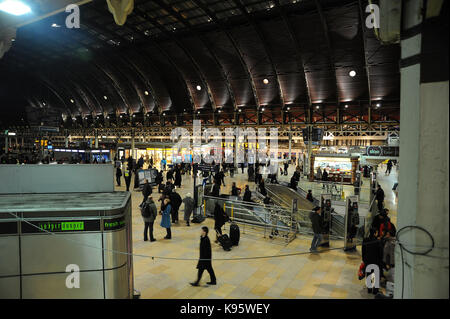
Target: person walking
118 175
127 175
389 167
316 222
309 196
205 260
188 202
146 190
177 182
165 219
379 196
149 213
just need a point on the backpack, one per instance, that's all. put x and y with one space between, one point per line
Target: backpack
198 219
145 212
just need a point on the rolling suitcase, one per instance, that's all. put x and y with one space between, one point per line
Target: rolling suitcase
225 242
197 219
234 234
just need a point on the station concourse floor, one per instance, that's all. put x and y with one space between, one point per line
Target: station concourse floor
330 274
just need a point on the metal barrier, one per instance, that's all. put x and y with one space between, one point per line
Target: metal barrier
275 221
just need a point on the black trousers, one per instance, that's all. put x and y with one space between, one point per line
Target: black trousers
127 182
148 227
174 214
210 270
169 233
380 205
118 180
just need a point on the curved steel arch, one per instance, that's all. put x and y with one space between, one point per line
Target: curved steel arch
186 53
235 46
258 31
206 45
297 46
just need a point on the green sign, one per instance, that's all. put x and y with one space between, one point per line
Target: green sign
61 226
113 224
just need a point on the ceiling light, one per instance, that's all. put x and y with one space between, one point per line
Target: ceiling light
146 92
262 109
199 87
288 108
121 116
240 110
14 7
134 115
107 117
198 112
266 81
352 73
317 106
105 97
164 114
72 101
346 106
378 104
220 111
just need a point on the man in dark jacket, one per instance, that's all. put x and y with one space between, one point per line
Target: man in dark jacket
149 213
316 222
146 189
379 195
247 194
216 189
177 177
220 218
204 262
175 201
118 175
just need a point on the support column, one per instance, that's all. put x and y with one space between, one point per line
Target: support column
423 175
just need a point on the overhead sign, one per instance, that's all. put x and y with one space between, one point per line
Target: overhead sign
374 151
382 151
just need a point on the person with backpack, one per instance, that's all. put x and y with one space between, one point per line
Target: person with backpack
205 260
149 213
316 223
146 189
188 202
176 201
165 219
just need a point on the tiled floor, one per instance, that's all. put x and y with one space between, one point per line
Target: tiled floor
330 274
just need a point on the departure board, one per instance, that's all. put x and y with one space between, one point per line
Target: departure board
63 226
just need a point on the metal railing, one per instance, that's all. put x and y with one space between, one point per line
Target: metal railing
274 221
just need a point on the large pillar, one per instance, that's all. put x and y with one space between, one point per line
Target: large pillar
423 177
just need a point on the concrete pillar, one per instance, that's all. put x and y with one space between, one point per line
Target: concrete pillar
423 176
290 145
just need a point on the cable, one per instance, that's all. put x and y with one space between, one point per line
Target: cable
401 246
184 259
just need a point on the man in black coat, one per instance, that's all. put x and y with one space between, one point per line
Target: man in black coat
127 175
220 218
379 195
175 201
146 189
177 177
118 175
204 262
316 222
